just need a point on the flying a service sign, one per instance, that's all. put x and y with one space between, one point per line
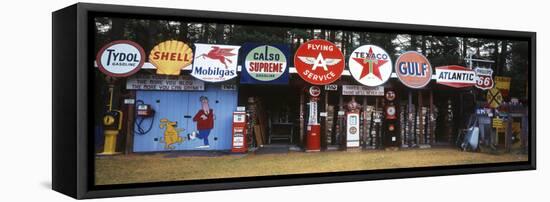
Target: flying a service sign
215 63
370 65
265 64
319 62
455 76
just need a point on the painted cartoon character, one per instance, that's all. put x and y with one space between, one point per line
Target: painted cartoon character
205 121
171 133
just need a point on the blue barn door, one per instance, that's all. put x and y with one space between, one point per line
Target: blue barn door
181 107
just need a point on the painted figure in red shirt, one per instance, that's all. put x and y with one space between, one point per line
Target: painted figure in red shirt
205 121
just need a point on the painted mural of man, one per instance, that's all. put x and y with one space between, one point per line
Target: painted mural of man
205 121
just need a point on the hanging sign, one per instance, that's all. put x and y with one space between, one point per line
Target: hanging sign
370 65
494 98
314 91
503 84
413 69
157 82
390 112
265 64
215 63
362 90
319 62
120 58
455 76
170 57
484 79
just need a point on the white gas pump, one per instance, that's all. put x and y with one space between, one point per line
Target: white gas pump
352 129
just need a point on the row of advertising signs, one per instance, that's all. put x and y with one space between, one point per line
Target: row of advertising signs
319 62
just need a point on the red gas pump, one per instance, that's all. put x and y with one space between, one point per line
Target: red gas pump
239 144
313 126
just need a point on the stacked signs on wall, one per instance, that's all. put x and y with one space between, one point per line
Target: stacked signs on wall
455 76
370 65
215 63
265 64
413 69
120 58
319 62
170 57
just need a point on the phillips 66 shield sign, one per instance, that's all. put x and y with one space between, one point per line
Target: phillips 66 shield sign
319 62
370 65
215 63
484 79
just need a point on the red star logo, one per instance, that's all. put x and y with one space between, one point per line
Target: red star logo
370 65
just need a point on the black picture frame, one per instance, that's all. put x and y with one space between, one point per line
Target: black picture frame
72 171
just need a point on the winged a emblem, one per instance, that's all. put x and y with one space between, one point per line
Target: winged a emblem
319 61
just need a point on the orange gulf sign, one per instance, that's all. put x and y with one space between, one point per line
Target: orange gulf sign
170 57
413 69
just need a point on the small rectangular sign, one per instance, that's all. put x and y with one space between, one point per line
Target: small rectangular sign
129 101
331 87
157 82
362 90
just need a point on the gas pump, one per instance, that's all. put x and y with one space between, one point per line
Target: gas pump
391 133
239 142
112 124
313 126
353 123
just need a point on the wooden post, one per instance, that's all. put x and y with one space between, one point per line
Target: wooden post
364 132
420 116
432 124
128 148
325 124
302 114
410 125
341 125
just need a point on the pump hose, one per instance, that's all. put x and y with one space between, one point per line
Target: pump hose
139 121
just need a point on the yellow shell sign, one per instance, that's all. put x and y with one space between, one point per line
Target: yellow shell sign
170 57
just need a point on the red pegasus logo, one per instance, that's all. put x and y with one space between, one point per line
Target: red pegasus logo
220 54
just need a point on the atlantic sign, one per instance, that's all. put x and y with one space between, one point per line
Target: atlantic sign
413 69
455 76
120 58
319 62
265 64
370 65
215 63
170 57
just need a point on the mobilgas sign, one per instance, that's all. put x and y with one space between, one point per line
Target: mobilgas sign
170 57
370 65
265 64
413 69
215 63
120 58
455 76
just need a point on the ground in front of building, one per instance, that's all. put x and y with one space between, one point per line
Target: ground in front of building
139 168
